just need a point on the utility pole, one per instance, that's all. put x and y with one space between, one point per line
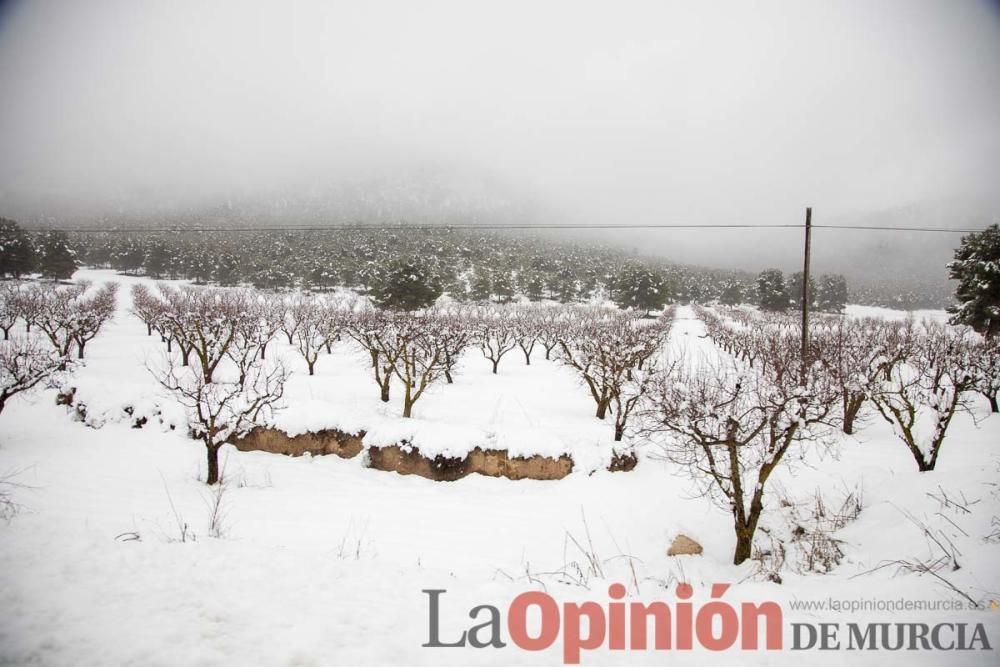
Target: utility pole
805 289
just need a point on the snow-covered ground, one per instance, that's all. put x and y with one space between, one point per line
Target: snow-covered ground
323 561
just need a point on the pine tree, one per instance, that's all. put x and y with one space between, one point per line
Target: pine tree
503 286
794 290
640 288
831 296
17 252
976 267
732 293
771 293
481 286
58 261
407 285
157 262
533 284
564 286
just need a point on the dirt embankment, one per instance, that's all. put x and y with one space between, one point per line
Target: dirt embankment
407 460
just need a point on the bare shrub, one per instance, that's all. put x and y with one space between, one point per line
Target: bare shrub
218 509
942 556
9 508
804 541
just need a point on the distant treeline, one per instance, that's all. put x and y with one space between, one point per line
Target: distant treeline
469 265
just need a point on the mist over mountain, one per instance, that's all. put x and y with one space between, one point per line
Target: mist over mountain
902 260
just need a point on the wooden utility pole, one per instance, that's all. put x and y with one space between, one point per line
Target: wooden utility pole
805 289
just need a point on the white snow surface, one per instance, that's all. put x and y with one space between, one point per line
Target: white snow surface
323 561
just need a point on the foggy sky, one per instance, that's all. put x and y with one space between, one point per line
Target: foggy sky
612 112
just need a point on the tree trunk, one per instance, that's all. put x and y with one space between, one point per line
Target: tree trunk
312 366
385 390
79 350
744 545
213 465
602 409
407 402
619 432
495 364
851 408
993 329
993 403
262 348
447 376
149 329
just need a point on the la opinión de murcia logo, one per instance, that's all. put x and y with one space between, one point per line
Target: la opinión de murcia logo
680 625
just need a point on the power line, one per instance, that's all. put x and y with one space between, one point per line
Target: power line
944 230
487 227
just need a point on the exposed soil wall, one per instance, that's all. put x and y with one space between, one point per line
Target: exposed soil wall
407 460
331 441
491 462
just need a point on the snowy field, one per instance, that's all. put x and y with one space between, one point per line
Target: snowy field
322 561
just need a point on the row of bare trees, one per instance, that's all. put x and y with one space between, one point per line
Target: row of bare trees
215 361
612 351
733 417
44 326
915 375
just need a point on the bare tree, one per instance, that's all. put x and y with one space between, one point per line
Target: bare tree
455 330
731 426
29 303
73 315
309 331
604 347
24 364
920 395
419 352
528 331
55 315
91 313
984 357
242 396
497 333
552 323
146 306
372 330
858 353
10 311
206 322
629 390
265 316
